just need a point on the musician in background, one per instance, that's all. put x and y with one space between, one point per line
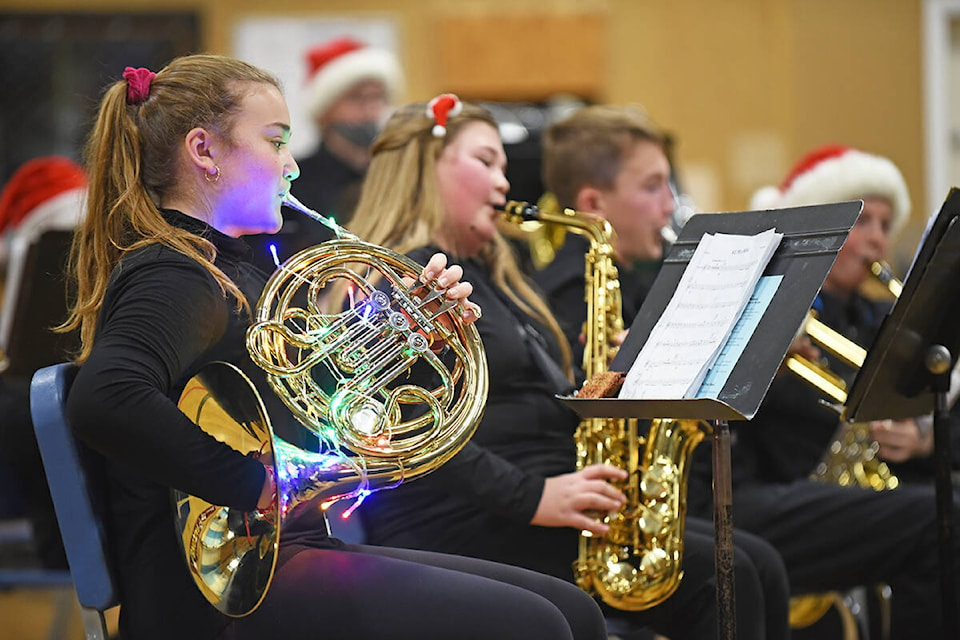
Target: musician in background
513 494
610 161
182 163
43 195
832 537
835 173
350 91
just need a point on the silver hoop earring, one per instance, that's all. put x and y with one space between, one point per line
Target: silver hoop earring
214 178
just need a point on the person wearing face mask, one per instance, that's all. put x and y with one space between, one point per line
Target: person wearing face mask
181 164
349 92
833 538
906 444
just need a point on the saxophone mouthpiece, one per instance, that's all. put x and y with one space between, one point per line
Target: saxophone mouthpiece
523 210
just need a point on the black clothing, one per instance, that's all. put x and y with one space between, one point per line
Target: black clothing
481 503
163 317
328 184
830 537
563 284
525 436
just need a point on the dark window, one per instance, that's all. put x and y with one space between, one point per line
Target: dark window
54 66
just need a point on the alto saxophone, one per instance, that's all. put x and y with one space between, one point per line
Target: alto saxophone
637 564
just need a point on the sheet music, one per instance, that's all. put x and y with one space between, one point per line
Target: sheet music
710 297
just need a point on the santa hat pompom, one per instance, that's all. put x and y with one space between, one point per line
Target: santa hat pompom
336 65
765 198
833 173
441 109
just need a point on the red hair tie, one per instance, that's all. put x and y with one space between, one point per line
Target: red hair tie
138 84
441 108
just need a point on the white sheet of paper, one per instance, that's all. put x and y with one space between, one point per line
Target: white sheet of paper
711 295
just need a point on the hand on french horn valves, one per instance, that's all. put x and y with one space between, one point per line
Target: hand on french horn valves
448 278
470 311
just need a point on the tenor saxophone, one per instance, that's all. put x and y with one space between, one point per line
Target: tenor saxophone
637 564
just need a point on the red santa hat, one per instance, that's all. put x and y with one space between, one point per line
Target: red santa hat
35 185
834 173
336 65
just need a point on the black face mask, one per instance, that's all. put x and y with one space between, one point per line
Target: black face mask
362 134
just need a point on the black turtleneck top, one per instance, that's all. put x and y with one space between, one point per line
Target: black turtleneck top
163 317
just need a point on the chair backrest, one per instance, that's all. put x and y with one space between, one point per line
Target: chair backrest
71 488
34 299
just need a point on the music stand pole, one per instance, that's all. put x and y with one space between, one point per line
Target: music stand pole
723 531
938 363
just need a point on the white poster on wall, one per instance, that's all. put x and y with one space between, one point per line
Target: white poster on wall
280 45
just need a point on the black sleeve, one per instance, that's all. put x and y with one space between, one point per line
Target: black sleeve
477 473
485 479
159 317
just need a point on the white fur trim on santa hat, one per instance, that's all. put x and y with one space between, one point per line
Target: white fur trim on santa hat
851 176
765 198
338 75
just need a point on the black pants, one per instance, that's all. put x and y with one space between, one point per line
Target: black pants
760 582
689 614
379 592
835 538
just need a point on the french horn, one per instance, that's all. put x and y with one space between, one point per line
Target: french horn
392 386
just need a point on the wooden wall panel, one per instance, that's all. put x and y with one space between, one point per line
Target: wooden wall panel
521 56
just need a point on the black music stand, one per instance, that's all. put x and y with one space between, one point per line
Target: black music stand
907 370
812 236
